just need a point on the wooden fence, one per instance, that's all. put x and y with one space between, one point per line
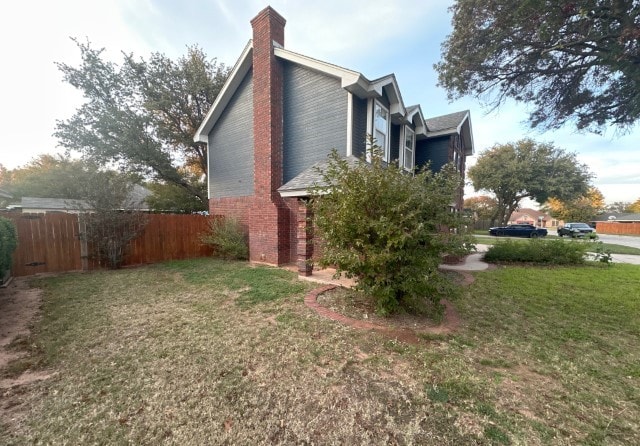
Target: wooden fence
49 243
621 228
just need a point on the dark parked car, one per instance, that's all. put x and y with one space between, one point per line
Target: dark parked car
577 230
519 230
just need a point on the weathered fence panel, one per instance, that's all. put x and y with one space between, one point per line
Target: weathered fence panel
51 243
169 237
46 243
620 228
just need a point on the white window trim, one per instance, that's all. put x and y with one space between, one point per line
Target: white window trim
413 148
387 147
349 123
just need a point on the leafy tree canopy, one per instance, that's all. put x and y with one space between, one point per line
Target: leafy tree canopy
572 61
618 207
50 176
635 206
388 229
581 209
526 169
142 114
483 206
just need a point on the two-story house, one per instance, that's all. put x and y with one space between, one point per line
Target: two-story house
281 112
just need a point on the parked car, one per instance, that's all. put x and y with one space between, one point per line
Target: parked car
577 230
518 230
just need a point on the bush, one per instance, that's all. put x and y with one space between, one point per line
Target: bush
228 238
8 243
388 229
555 252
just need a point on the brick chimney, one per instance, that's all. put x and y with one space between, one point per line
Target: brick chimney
270 219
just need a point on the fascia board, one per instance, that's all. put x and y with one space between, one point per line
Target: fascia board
239 71
348 78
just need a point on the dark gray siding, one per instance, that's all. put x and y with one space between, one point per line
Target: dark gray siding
435 150
315 118
394 151
231 146
359 127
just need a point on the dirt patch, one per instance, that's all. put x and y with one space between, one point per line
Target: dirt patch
19 307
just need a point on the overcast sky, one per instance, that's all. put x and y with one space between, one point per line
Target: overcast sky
374 37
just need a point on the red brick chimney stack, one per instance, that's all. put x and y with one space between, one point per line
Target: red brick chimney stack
270 218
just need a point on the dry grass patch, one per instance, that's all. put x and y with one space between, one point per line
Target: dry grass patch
210 352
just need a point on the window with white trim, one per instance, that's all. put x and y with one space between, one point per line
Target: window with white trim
409 146
381 129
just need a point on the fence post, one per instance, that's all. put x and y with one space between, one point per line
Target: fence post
84 250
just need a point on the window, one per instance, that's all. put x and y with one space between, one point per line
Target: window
409 147
381 128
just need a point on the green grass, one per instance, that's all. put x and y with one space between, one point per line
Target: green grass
211 352
611 247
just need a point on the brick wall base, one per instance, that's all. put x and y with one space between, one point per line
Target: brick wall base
271 227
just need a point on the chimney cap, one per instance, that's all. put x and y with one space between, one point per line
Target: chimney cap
269 13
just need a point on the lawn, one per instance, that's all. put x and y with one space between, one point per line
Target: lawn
208 352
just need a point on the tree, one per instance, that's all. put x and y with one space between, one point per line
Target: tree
618 207
111 218
388 229
50 176
168 197
574 62
483 206
142 115
635 206
583 208
526 169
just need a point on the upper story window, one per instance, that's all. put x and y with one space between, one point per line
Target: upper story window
408 152
381 127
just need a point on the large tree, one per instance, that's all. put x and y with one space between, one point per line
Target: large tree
573 61
482 206
583 208
142 114
526 169
49 176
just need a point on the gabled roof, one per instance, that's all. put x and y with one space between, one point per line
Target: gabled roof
352 81
459 122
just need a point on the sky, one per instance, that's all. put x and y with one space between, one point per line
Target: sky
374 37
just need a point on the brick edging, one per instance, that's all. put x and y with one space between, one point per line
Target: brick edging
451 319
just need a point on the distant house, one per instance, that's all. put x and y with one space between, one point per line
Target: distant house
533 217
619 218
35 205
280 113
4 194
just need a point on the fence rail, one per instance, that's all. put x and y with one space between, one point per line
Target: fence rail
620 228
51 242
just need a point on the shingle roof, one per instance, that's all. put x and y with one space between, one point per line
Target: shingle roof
301 184
617 217
138 195
446 122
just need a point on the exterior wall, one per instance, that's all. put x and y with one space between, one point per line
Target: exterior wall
231 146
435 150
359 143
315 118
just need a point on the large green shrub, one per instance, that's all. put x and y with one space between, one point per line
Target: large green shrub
555 252
228 239
389 229
8 243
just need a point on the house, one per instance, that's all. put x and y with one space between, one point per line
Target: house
281 112
36 205
533 217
